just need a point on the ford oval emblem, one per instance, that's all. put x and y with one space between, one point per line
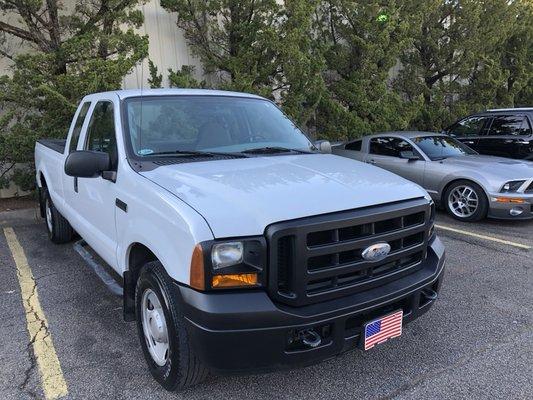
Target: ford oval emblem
376 252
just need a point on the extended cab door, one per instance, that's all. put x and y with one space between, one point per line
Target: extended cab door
385 152
94 198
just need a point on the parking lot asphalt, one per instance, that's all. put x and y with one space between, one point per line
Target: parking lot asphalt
476 342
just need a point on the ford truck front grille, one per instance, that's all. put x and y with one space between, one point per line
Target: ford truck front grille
320 258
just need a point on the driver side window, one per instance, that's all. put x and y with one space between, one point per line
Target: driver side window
389 146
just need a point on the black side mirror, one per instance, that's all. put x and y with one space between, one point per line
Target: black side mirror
409 155
87 164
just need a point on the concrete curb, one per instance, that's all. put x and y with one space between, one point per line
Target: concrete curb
20 216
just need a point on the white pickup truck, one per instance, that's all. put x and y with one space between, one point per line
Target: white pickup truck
240 246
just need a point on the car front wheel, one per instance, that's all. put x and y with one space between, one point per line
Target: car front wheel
161 328
466 201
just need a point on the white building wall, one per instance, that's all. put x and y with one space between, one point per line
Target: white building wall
167 47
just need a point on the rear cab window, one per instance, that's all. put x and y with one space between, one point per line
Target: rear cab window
389 146
74 138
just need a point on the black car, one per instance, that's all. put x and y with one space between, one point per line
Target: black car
503 132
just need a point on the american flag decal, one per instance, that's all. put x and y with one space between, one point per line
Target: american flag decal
382 329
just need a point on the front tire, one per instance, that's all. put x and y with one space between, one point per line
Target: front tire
162 333
57 226
466 201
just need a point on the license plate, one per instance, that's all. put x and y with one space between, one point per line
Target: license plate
382 329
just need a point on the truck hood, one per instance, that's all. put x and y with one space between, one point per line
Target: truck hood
241 197
498 167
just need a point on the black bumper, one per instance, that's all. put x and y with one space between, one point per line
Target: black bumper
244 332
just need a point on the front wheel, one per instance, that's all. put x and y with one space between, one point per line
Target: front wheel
466 201
161 328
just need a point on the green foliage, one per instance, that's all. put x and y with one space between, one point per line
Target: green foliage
87 50
156 79
466 56
184 78
256 46
361 46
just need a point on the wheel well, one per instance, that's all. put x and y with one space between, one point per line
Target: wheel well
138 256
44 185
443 200
42 180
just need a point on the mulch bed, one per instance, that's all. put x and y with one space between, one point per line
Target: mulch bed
18 203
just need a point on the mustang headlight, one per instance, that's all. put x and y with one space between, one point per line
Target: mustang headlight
511 186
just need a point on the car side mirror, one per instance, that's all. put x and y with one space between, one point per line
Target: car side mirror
324 146
87 164
409 155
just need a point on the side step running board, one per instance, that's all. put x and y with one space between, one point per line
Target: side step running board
99 269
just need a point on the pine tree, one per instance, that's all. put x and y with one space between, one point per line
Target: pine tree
72 52
362 43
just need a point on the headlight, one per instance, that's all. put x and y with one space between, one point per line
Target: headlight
226 254
234 264
511 186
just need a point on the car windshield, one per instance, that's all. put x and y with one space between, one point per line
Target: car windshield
189 125
441 147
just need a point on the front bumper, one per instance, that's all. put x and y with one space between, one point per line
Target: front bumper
244 332
502 210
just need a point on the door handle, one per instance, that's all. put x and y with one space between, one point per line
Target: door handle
509 141
371 161
468 142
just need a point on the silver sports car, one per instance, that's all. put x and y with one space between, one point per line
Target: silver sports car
470 186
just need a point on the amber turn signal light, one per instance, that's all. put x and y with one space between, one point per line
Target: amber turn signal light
234 280
509 200
197 277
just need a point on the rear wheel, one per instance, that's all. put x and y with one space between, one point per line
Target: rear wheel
58 228
161 328
466 201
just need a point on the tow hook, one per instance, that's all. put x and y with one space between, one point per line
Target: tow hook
310 338
430 294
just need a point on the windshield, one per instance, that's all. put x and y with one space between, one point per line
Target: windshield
181 124
440 147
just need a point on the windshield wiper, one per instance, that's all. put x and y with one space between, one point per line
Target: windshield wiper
273 150
194 153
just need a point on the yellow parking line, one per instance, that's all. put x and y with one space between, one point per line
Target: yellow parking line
54 385
477 235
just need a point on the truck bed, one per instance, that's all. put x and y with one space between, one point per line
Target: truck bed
54 144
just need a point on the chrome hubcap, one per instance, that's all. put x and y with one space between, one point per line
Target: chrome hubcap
48 213
463 201
155 327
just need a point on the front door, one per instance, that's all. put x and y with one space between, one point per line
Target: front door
470 130
96 197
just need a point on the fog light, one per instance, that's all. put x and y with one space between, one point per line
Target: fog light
234 280
516 211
